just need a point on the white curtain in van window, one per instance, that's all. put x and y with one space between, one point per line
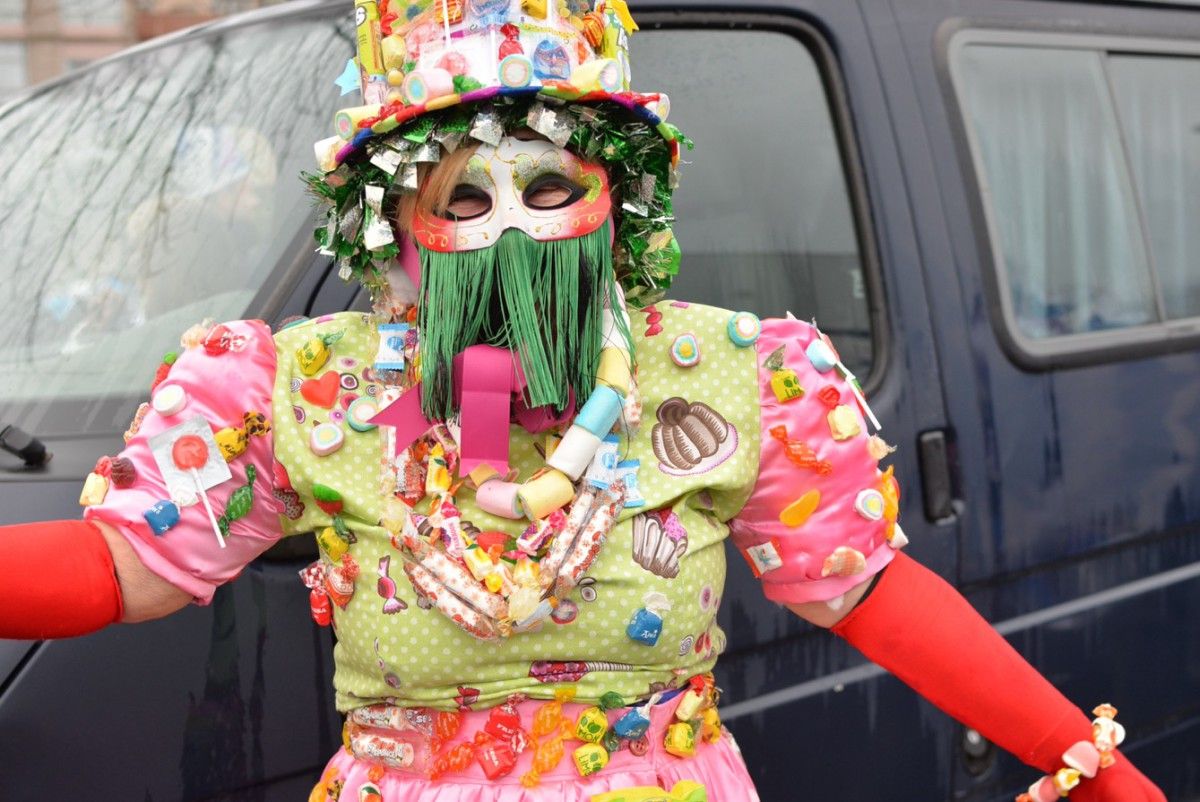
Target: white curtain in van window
1158 98
1057 188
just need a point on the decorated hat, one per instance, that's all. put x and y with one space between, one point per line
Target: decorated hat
433 73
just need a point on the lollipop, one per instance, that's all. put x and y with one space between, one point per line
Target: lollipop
190 454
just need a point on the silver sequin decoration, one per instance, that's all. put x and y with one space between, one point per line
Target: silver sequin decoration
408 181
428 153
557 125
486 127
387 160
349 221
450 140
378 232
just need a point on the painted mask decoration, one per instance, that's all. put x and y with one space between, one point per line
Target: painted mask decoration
530 185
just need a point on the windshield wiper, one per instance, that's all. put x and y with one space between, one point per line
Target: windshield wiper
24 446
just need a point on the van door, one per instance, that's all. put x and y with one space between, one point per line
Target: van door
793 201
1059 184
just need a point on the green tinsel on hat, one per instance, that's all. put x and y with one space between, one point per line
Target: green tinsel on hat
359 196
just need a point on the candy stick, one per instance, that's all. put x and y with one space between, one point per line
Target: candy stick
190 453
564 540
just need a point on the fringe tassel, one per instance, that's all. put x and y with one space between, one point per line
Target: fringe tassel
544 301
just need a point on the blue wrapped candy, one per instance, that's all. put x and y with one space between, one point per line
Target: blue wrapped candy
633 724
162 516
646 625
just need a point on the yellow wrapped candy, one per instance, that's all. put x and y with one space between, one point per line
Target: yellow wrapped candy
710 729
494 582
313 355
232 442
786 385
526 572
592 725
680 740
95 488
437 480
479 563
590 758
332 544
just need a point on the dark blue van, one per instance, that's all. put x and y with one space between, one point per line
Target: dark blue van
992 205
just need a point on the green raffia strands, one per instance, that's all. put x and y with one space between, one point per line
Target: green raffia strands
636 156
524 276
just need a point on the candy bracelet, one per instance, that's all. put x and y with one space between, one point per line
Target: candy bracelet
1084 759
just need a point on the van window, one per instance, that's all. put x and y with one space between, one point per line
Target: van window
1058 188
1089 166
764 210
142 196
1159 102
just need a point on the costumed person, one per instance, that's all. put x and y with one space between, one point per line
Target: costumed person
521 467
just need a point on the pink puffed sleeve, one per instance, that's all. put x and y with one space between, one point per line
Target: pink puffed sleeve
227 380
822 516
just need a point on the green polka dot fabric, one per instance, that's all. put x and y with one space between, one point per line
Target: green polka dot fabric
672 545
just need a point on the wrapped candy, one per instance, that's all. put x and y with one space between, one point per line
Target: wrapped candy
457 759
690 705
504 721
636 722
546 756
710 727
590 758
437 478
799 453
496 759
680 739
843 423
592 724
549 716
646 625
313 355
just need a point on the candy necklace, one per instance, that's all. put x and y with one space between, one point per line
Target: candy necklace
490 585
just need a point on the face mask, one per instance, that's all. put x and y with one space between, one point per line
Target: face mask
532 186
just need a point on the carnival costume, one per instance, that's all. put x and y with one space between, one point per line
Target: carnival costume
521 467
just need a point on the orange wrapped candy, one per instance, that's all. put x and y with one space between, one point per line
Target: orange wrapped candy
800 453
549 716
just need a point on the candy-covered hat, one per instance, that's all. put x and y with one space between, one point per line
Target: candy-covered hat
434 72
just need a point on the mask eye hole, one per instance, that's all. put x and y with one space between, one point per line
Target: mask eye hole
551 191
467 202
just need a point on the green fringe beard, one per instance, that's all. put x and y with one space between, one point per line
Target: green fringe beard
544 301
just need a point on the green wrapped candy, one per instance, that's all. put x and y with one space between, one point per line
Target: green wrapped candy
240 502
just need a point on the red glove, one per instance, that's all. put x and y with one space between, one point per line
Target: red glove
62 583
919 628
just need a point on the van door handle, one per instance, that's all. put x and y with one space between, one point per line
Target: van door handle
939 482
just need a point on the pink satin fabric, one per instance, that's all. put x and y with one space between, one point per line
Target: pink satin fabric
835 523
222 388
719 767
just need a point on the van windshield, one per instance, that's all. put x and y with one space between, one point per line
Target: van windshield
144 195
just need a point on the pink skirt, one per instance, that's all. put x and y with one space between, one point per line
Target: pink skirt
717 766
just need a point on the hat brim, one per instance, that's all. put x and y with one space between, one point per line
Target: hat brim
639 104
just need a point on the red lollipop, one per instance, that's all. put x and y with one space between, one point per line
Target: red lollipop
190 453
